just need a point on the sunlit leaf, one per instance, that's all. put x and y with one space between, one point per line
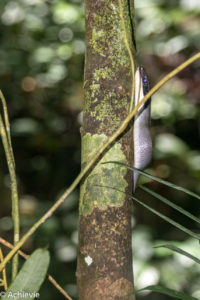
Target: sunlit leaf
25 126
64 12
167 144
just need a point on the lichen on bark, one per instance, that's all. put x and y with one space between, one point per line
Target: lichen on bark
106 84
104 269
98 189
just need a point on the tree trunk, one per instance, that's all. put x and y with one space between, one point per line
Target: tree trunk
104 268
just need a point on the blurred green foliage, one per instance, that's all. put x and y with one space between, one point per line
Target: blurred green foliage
41 75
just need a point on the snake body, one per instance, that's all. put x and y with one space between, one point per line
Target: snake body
141 132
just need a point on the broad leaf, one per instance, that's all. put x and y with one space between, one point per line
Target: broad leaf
30 277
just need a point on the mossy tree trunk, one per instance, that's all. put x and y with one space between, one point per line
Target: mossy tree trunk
104 268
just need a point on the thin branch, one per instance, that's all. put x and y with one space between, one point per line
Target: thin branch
130 53
52 280
95 158
4 280
10 246
7 123
24 255
5 135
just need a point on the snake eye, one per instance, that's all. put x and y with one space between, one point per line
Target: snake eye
141 132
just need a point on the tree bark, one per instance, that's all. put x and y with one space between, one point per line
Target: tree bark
104 269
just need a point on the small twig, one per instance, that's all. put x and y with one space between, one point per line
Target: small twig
24 255
4 280
6 139
7 123
130 53
59 287
10 246
95 158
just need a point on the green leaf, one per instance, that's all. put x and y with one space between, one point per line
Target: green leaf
174 186
168 202
172 222
167 291
30 277
180 251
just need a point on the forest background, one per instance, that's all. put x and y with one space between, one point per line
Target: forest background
41 75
